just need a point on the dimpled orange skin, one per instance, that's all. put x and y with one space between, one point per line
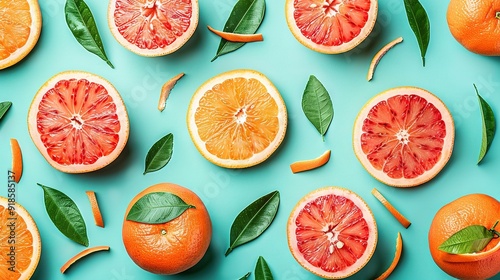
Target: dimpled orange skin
472 209
476 25
172 247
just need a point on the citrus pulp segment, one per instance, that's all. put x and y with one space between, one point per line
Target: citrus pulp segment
28 244
332 232
153 28
20 23
331 26
78 122
237 119
404 136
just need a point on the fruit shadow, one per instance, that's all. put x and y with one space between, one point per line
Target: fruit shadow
124 160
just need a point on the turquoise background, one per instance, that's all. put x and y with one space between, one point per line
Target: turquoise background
449 73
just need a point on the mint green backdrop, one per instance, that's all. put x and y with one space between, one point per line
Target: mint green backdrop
449 73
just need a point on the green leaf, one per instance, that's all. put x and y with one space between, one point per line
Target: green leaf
157 208
317 105
160 153
65 215
82 24
245 18
419 23
4 107
245 277
262 271
489 126
253 220
468 240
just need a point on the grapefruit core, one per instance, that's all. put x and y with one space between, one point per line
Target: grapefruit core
404 136
332 232
78 122
331 26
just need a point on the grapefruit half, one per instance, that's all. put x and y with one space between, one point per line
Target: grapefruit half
331 26
153 28
332 232
404 136
78 122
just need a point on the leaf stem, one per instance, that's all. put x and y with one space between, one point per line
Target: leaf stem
492 229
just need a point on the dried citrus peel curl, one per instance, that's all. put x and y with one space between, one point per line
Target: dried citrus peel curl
401 219
81 255
309 164
378 56
235 37
395 261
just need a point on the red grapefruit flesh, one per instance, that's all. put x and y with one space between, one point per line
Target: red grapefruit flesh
332 233
404 136
78 122
153 27
331 26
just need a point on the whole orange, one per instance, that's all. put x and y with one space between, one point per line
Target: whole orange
476 25
472 209
174 246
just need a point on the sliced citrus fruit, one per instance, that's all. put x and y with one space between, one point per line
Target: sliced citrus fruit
17 160
153 28
304 165
331 26
235 37
78 122
237 119
96 211
404 136
332 232
401 219
20 25
378 56
82 254
395 261
20 259
165 91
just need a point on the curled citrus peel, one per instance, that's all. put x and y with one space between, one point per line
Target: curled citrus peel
235 37
395 261
305 165
95 208
378 56
165 91
472 257
401 219
17 160
81 255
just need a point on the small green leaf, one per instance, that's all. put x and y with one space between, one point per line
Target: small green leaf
82 24
262 271
245 18
245 277
317 105
160 154
489 126
4 107
65 215
468 240
253 220
419 23
157 208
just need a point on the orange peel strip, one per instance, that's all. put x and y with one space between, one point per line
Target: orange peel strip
401 219
17 160
165 91
95 208
235 37
83 254
309 164
474 257
395 261
378 56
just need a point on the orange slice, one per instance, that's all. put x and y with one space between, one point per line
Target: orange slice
304 165
235 37
378 56
401 219
81 255
20 25
473 257
95 208
165 91
17 160
395 261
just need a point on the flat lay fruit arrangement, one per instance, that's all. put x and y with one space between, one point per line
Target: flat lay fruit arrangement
249 139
